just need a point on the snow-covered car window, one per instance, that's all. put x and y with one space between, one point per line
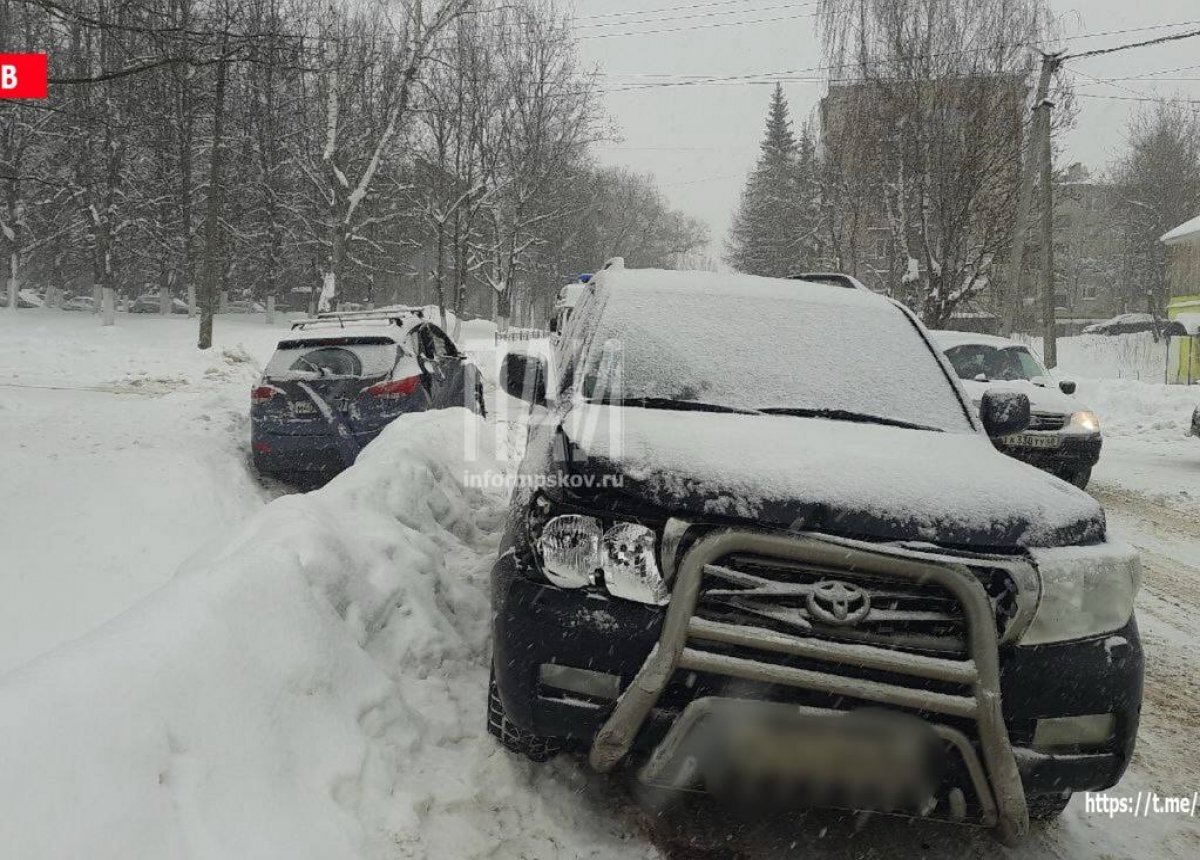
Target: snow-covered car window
329 361
973 361
819 348
305 359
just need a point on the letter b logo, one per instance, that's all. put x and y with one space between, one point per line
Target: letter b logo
23 76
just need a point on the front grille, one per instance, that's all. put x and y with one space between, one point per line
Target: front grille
769 593
1047 421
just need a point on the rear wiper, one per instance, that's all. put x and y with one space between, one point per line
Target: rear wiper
671 403
845 415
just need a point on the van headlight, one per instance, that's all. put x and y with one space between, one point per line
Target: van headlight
1086 591
577 552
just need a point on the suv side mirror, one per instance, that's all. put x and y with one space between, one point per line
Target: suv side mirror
1004 412
524 376
1066 386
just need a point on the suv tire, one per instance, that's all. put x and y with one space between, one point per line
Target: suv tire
511 736
1047 807
1080 477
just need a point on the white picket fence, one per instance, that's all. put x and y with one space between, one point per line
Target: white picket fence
520 334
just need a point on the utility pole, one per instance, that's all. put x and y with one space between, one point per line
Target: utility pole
1049 335
1039 129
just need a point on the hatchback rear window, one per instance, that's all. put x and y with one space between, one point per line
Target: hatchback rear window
334 357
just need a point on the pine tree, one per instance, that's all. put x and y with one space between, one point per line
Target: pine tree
774 231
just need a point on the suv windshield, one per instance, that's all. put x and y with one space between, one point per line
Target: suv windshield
837 354
991 363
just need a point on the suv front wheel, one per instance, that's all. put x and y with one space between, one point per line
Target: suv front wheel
1047 807
511 736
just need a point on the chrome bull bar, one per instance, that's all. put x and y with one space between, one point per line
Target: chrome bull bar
997 782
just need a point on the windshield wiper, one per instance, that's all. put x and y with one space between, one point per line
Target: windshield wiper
671 403
845 415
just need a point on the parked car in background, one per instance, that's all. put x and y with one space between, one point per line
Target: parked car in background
1063 436
336 381
1125 324
151 304
565 302
79 303
782 560
25 298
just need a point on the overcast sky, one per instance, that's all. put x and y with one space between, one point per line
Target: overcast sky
701 140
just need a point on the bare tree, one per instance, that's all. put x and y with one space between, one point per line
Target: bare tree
939 86
534 144
1157 185
347 183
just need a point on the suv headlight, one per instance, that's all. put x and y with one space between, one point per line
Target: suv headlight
570 548
577 552
1086 591
1084 422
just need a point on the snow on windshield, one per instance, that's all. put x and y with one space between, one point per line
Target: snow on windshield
755 343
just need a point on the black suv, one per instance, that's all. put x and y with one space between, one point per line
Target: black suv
762 539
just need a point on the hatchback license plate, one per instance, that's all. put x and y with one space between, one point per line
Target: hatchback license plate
303 408
1031 440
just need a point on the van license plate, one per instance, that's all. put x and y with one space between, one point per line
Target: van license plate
1031 440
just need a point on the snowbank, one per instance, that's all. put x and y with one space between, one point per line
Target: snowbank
122 451
314 688
1127 356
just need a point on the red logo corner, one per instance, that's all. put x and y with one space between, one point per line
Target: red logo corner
23 76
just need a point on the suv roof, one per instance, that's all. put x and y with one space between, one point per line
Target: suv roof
394 323
947 339
832 279
732 285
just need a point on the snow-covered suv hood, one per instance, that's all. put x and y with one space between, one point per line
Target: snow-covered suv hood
1050 400
836 476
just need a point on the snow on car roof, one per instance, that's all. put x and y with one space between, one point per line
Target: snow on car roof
949 339
734 286
569 295
361 328
1186 232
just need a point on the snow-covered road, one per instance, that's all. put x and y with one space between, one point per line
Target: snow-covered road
311 682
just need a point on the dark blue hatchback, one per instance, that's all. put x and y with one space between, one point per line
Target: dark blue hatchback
339 379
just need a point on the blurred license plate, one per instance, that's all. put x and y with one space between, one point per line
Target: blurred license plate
302 407
1031 440
858 759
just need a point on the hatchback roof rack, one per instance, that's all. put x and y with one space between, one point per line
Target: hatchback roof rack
394 314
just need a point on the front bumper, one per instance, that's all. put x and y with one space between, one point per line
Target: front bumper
1074 453
1010 687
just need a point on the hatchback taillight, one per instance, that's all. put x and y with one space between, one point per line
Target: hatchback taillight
395 389
263 393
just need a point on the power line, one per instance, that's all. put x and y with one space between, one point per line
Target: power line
1145 29
700 15
1162 40
699 27
1157 100
683 8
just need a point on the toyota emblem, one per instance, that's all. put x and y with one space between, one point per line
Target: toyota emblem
837 603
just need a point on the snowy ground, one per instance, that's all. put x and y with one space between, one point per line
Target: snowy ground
306 678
